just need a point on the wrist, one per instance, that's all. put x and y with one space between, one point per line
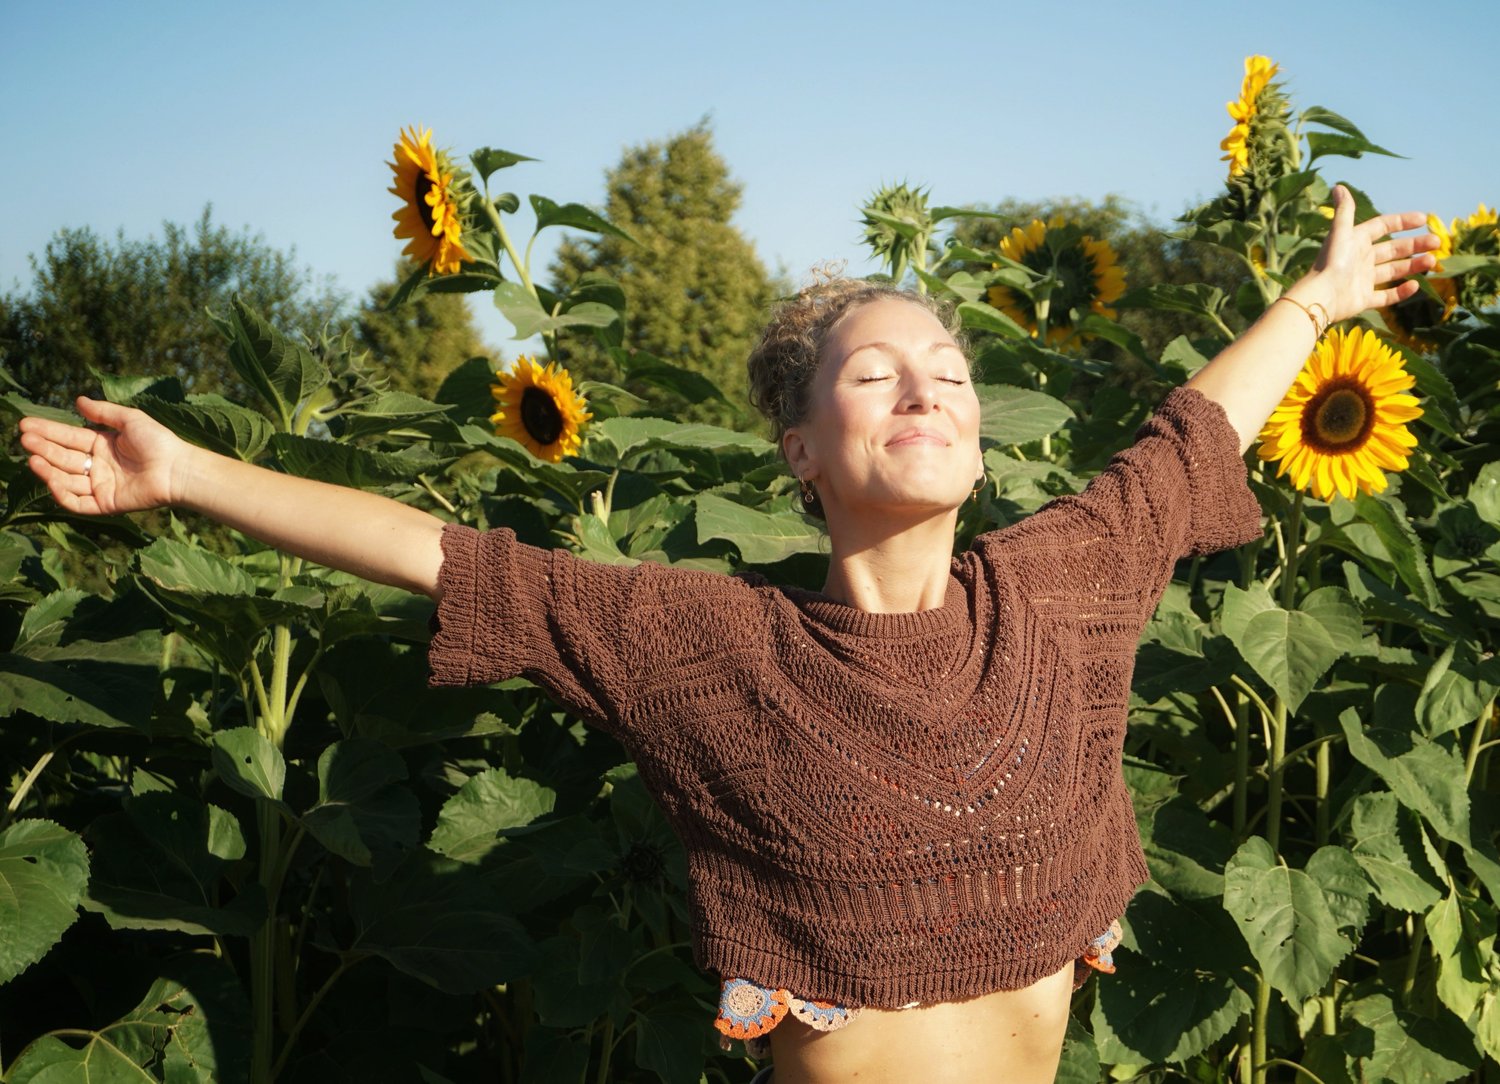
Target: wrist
189 477
1314 288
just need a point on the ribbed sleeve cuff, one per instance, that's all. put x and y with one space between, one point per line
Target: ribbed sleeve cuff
1225 511
487 608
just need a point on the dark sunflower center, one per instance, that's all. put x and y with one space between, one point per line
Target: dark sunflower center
424 186
1075 289
1338 418
540 416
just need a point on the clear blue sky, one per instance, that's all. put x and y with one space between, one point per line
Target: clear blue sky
283 114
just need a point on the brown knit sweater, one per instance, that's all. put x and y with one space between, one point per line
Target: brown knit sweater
879 808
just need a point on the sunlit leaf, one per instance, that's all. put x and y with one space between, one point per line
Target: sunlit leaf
43 871
1285 918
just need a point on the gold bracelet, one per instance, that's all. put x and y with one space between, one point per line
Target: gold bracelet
1319 325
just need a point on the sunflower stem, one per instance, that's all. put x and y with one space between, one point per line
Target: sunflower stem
520 265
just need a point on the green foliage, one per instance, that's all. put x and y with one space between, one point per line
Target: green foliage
419 343
695 290
132 307
318 868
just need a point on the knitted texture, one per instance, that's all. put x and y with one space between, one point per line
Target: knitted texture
878 808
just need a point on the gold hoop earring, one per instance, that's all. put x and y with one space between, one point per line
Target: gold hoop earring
809 495
974 495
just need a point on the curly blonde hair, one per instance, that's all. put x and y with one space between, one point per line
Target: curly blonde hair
785 360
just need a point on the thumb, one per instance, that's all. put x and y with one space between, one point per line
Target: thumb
1343 207
103 412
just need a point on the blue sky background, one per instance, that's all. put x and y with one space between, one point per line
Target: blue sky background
283 114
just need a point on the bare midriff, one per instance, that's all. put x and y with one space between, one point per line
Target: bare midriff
1014 1036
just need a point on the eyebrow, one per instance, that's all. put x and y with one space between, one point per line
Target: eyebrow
887 348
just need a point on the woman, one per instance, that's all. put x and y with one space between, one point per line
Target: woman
900 796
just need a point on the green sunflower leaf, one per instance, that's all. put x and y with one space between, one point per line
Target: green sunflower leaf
575 215
282 370
669 1039
1484 493
211 422
1346 887
1290 650
469 824
1285 917
1387 515
1426 777
1317 114
347 465
159 865
249 763
1463 937
1013 415
1387 1043
436 920
1163 1005
192 1027
44 869
762 538
363 815
1387 847
1320 144
488 160
978 316
649 369
1197 299
465 392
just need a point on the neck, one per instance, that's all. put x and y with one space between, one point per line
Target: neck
882 567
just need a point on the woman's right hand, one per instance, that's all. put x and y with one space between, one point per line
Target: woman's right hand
131 465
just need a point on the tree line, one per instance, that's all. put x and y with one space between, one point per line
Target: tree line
696 290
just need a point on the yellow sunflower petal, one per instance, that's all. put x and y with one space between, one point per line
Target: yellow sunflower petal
1353 391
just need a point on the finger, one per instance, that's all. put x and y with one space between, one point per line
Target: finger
1400 247
73 491
1343 208
103 412
59 455
1400 269
69 436
1381 225
1400 292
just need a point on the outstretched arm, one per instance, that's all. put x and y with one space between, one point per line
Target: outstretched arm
137 463
1249 377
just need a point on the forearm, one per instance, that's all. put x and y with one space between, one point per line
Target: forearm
348 529
1251 375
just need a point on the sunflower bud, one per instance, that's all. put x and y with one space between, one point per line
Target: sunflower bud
897 226
1261 146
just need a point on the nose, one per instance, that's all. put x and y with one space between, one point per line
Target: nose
919 396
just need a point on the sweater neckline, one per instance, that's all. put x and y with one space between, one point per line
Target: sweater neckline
841 617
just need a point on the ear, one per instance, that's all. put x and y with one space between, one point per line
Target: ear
795 449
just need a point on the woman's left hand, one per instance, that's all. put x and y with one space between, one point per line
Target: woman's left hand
1357 270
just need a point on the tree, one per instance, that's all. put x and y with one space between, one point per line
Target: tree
132 307
695 290
420 342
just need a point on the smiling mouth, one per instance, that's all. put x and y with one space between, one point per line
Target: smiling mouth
917 438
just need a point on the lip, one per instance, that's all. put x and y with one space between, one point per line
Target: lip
917 436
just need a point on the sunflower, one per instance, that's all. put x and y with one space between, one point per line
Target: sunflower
1258 73
1089 277
429 213
538 408
1477 235
1344 419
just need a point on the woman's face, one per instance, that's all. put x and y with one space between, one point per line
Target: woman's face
893 421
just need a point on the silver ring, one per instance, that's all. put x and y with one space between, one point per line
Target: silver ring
88 465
